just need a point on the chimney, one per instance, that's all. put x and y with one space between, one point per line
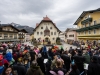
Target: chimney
37 24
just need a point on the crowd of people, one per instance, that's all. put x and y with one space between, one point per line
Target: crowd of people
21 59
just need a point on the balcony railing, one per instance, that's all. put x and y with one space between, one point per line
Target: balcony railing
97 26
88 20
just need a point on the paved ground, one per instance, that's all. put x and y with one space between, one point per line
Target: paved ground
64 45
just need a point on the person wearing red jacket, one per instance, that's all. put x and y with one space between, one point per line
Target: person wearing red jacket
3 61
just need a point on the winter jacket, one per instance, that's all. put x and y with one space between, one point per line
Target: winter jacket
77 72
79 60
41 64
87 58
34 71
93 69
20 69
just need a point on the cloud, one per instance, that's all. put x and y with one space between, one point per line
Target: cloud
29 12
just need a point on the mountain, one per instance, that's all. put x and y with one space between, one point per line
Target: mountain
27 28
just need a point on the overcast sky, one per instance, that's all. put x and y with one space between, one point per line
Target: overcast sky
29 12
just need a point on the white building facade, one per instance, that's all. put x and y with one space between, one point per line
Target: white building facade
46 31
71 35
27 37
62 36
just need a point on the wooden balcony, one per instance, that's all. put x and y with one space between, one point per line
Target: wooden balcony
88 20
97 26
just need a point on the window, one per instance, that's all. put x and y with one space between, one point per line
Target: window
41 27
51 33
54 33
11 35
15 36
41 33
71 35
89 32
37 33
53 38
50 27
5 36
94 31
89 24
94 22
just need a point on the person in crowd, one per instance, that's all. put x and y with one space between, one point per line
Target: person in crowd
34 69
87 57
66 59
26 58
94 66
44 52
32 55
19 67
8 70
59 70
48 66
36 50
61 50
79 60
40 61
50 53
53 64
9 58
70 50
73 69
2 50
2 62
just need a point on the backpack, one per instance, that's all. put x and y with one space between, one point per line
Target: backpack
2 67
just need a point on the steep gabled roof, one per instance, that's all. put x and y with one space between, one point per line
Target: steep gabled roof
8 25
71 29
84 13
46 19
23 30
